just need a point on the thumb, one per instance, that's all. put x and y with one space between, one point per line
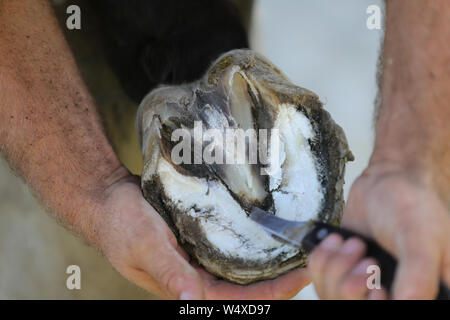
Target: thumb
417 274
174 274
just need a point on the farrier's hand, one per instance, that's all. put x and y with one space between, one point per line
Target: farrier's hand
399 200
405 216
143 249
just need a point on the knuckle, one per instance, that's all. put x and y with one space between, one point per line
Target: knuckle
168 279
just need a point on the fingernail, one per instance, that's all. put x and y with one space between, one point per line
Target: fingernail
185 295
332 242
352 246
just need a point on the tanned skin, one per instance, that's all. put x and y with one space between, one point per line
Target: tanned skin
51 135
402 199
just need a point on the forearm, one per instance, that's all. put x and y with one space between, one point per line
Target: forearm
49 129
413 125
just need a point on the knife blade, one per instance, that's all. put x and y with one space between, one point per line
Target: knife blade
309 234
292 232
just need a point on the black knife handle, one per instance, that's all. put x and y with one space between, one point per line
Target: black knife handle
386 262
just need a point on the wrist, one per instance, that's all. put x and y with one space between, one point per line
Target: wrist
87 211
100 201
421 168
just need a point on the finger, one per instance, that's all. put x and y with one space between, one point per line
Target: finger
284 287
417 276
377 294
318 260
354 285
342 264
145 281
288 285
160 256
173 273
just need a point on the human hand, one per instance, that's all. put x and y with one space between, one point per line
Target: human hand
140 245
402 212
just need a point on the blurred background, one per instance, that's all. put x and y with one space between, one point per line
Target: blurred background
322 45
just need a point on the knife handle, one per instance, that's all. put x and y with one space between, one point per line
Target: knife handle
386 262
